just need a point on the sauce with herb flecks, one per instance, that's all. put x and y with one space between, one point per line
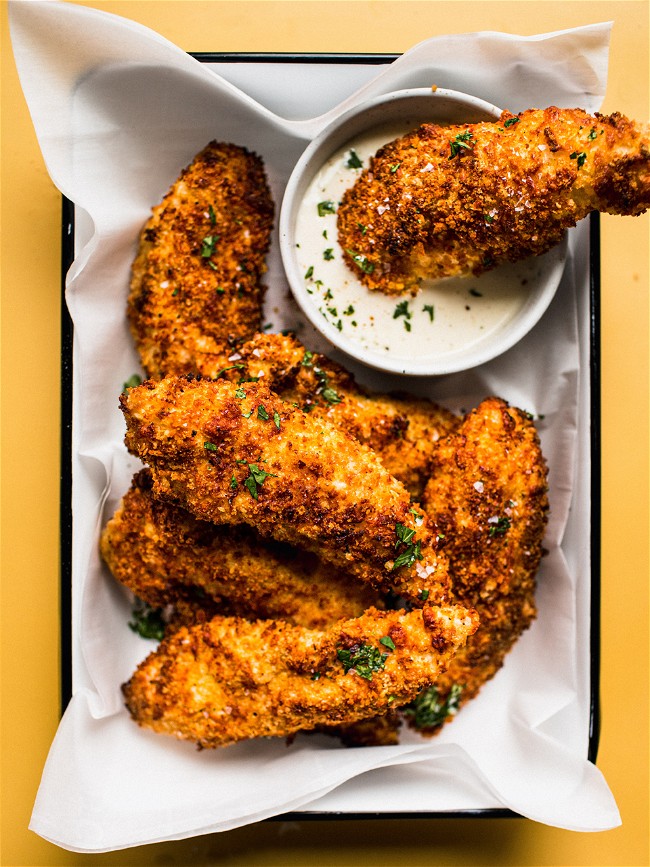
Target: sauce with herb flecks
446 315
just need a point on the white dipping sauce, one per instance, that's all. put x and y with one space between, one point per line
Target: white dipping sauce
444 317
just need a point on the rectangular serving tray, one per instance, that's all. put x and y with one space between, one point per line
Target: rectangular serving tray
341 63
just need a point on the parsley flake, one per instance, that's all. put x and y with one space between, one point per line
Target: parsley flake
353 161
499 526
459 143
324 208
209 245
364 659
132 382
429 710
581 158
256 478
147 622
411 553
361 261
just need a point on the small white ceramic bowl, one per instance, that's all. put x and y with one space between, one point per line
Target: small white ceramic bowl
450 325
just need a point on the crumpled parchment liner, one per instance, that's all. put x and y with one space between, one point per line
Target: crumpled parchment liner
118 111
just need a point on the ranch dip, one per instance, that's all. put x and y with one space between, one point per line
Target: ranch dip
443 318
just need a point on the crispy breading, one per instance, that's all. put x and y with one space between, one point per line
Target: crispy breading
235 454
400 429
443 201
196 288
232 679
165 555
488 498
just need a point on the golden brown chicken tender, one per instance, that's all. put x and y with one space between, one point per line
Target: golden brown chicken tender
461 199
235 454
232 679
401 430
196 288
488 499
166 556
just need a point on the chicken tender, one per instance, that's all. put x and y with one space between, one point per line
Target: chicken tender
232 679
234 454
401 430
461 199
166 556
196 288
488 499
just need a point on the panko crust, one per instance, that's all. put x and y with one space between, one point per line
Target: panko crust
401 430
488 498
230 679
235 454
196 289
461 199
166 556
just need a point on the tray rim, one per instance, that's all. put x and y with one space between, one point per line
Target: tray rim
65 477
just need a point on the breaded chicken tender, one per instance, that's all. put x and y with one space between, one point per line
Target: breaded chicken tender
447 201
488 498
401 430
165 555
196 288
231 679
234 454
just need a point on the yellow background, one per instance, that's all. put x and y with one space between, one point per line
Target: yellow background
30 443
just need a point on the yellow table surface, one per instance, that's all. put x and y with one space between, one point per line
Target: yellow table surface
30 456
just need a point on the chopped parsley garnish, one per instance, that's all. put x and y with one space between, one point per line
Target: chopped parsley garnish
231 367
353 161
276 419
511 121
475 293
147 622
429 710
307 358
428 308
328 254
212 215
240 393
592 134
309 272
325 390
256 478
361 261
424 595
209 245
364 659
262 413
388 642
132 382
394 168
411 553
459 143
581 158
402 309
210 447
499 526
324 208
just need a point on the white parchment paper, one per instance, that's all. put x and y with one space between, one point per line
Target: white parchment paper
118 112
